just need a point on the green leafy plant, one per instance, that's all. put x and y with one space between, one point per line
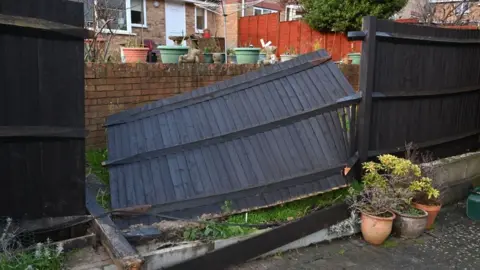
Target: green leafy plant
94 166
346 15
227 207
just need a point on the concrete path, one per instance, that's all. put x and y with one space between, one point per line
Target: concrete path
454 243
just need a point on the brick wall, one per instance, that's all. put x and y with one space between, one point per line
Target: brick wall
111 88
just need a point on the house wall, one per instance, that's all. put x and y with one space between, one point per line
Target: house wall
111 88
156 27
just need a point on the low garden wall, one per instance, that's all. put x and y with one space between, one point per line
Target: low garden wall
455 175
111 88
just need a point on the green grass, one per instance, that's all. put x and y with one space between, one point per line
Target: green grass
44 258
94 160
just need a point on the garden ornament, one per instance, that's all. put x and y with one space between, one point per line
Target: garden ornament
193 56
270 57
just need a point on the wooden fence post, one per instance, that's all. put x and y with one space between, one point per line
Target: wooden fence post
367 69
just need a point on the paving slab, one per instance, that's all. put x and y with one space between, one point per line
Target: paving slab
454 243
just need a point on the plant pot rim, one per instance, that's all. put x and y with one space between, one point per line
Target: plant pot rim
425 214
428 207
380 218
288 54
356 53
247 49
135 48
172 47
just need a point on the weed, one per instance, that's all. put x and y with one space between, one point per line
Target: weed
341 251
213 231
43 257
390 243
94 160
227 207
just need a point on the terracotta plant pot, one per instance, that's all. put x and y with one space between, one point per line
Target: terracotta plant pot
134 55
432 211
409 226
375 230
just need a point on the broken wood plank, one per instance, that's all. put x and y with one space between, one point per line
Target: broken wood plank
265 242
41 131
119 249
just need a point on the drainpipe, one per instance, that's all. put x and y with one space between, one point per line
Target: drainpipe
243 8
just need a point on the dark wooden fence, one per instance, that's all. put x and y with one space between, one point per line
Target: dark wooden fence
42 168
419 84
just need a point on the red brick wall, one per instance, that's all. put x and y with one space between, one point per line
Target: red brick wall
111 88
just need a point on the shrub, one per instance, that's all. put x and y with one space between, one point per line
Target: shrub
346 15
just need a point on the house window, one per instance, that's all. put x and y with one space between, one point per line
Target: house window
138 14
261 11
118 15
291 13
200 19
461 8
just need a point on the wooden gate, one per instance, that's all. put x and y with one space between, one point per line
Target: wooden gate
41 108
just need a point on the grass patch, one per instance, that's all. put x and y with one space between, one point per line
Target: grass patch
293 210
94 160
277 214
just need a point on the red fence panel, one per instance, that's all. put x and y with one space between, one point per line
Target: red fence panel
292 35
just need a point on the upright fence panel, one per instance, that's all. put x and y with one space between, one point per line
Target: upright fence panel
41 108
425 87
292 35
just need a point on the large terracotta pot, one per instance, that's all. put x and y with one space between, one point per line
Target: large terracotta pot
134 55
432 211
375 230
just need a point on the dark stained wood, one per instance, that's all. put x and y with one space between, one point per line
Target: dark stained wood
41 132
44 25
247 192
426 90
253 247
225 90
42 148
121 252
367 75
239 133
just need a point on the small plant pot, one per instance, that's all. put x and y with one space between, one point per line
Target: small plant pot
287 57
232 59
409 226
355 57
375 230
208 58
218 58
134 55
170 54
432 211
247 55
262 56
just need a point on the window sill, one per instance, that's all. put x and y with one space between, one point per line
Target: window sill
115 32
140 26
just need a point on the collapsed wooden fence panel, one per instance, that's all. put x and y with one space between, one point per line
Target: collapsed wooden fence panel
41 109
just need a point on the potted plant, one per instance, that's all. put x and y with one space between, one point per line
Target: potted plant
133 52
171 53
262 55
426 198
373 202
207 55
232 58
289 54
247 55
399 174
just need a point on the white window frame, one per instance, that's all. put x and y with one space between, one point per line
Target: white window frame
263 9
292 7
145 24
205 16
128 19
